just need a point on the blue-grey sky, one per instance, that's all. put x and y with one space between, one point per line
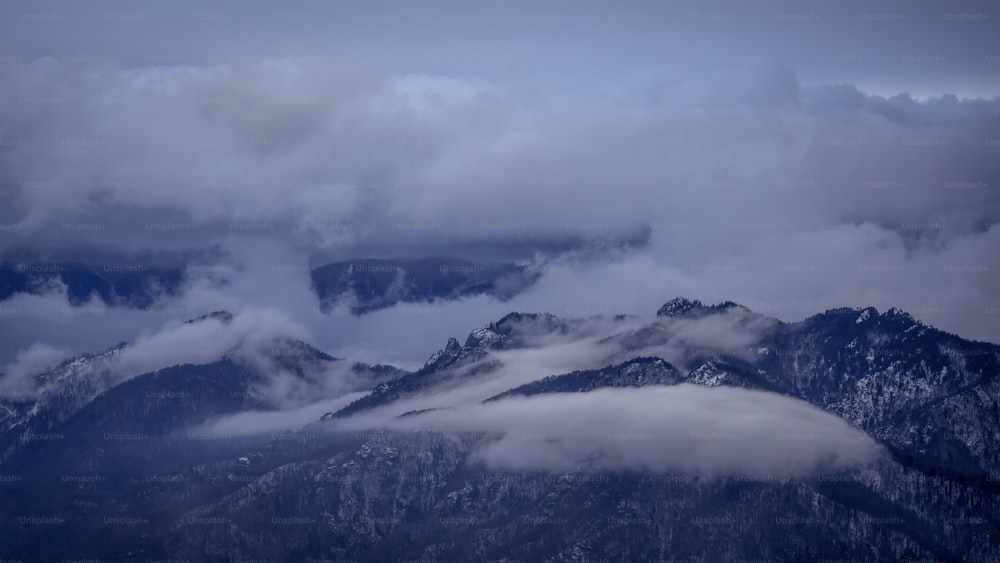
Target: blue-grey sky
882 46
789 155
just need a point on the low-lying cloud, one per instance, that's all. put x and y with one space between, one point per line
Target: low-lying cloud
290 419
683 428
249 335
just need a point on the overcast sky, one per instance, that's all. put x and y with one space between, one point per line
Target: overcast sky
792 156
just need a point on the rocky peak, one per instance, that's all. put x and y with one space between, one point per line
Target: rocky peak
679 307
484 337
693 308
708 374
866 314
451 350
898 314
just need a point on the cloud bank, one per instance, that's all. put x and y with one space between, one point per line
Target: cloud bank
743 183
683 428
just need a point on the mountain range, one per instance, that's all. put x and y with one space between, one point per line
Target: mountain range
360 286
700 433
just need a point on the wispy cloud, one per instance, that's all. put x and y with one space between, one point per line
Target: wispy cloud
685 428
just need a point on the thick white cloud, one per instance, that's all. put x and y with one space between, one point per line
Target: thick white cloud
249 334
154 341
949 282
789 199
341 156
684 428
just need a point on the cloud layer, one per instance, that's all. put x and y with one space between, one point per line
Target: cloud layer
733 181
684 428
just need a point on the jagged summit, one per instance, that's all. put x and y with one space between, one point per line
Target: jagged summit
483 337
678 306
451 351
864 315
899 314
693 308
515 317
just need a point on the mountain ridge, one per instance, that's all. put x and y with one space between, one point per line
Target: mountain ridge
931 398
